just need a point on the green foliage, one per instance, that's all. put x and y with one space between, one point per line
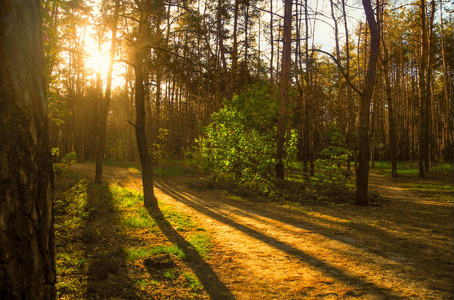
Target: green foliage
241 140
169 273
63 167
75 205
158 151
332 158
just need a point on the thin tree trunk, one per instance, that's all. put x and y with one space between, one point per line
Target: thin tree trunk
104 109
145 154
284 85
362 173
423 138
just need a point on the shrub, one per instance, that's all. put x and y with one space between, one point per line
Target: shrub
241 140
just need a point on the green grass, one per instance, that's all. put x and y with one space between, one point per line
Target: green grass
135 254
170 249
130 204
437 184
411 168
69 262
165 168
179 221
201 242
193 281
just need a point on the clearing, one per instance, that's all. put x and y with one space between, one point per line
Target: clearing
401 249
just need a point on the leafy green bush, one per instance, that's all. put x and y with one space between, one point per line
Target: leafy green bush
241 140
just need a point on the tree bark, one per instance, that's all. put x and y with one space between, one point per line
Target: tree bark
284 86
145 154
27 250
362 172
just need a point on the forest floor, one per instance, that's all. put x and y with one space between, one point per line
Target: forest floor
400 249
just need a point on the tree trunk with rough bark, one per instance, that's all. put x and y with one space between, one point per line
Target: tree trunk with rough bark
27 249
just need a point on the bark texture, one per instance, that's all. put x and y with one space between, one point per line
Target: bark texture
27 251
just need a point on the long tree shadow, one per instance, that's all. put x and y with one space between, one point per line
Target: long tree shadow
323 266
104 247
212 284
378 241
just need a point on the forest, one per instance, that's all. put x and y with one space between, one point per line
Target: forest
228 149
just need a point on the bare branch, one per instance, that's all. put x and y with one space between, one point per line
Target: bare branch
341 69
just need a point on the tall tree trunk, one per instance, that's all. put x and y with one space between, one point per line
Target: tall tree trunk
384 59
145 154
448 116
362 172
308 120
233 78
423 99
271 47
104 109
27 247
284 85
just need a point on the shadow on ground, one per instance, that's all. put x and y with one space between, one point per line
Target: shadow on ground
212 284
104 242
392 245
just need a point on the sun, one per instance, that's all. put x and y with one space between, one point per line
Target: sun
98 62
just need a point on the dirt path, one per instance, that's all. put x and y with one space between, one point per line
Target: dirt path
401 249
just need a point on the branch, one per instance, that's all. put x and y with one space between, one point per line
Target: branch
132 124
174 54
267 11
126 62
341 69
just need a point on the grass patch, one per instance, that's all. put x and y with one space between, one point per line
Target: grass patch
437 184
135 254
201 242
133 214
170 249
193 281
143 284
169 273
68 263
179 221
